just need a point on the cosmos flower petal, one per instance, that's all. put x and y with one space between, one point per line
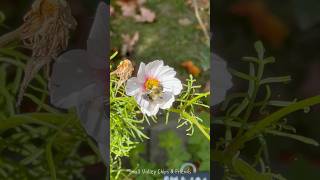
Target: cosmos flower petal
141 72
172 85
104 151
147 107
141 101
92 117
154 68
151 110
166 72
219 95
168 99
78 80
133 86
97 43
221 79
72 81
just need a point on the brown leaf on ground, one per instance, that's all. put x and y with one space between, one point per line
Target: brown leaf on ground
136 10
128 8
184 22
111 10
128 43
191 68
146 15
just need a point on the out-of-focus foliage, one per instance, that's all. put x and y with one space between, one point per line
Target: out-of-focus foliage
175 152
242 111
42 141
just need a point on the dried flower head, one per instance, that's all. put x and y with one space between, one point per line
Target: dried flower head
124 70
47 26
46 32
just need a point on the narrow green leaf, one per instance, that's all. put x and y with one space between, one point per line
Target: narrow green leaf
2 17
271 119
242 75
259 49
32 157
251 59
247 172
280 103
282 79
41 104
46 119
294 136
269 60
50 161
114 55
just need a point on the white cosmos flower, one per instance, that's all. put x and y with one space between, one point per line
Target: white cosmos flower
154 87
221 79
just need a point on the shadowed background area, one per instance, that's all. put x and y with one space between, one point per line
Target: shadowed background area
289 30
84 13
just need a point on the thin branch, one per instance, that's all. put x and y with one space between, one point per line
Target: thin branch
10 36
203 27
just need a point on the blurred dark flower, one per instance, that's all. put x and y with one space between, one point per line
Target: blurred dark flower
45 31
79 77
221 79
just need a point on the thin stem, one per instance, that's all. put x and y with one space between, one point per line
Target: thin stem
266 122
10 36
253 96
192 120
203 27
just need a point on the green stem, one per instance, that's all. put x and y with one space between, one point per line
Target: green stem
196 99
192 120
266 122
253 96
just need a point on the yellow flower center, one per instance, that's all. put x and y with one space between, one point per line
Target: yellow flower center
151 83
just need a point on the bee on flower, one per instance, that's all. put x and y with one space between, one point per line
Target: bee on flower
154 87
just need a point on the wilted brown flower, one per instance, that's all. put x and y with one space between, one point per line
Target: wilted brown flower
47 26
46 32
124 71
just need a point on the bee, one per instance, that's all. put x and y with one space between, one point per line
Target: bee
155 93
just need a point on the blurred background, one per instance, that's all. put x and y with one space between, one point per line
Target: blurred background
13 11
289 30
